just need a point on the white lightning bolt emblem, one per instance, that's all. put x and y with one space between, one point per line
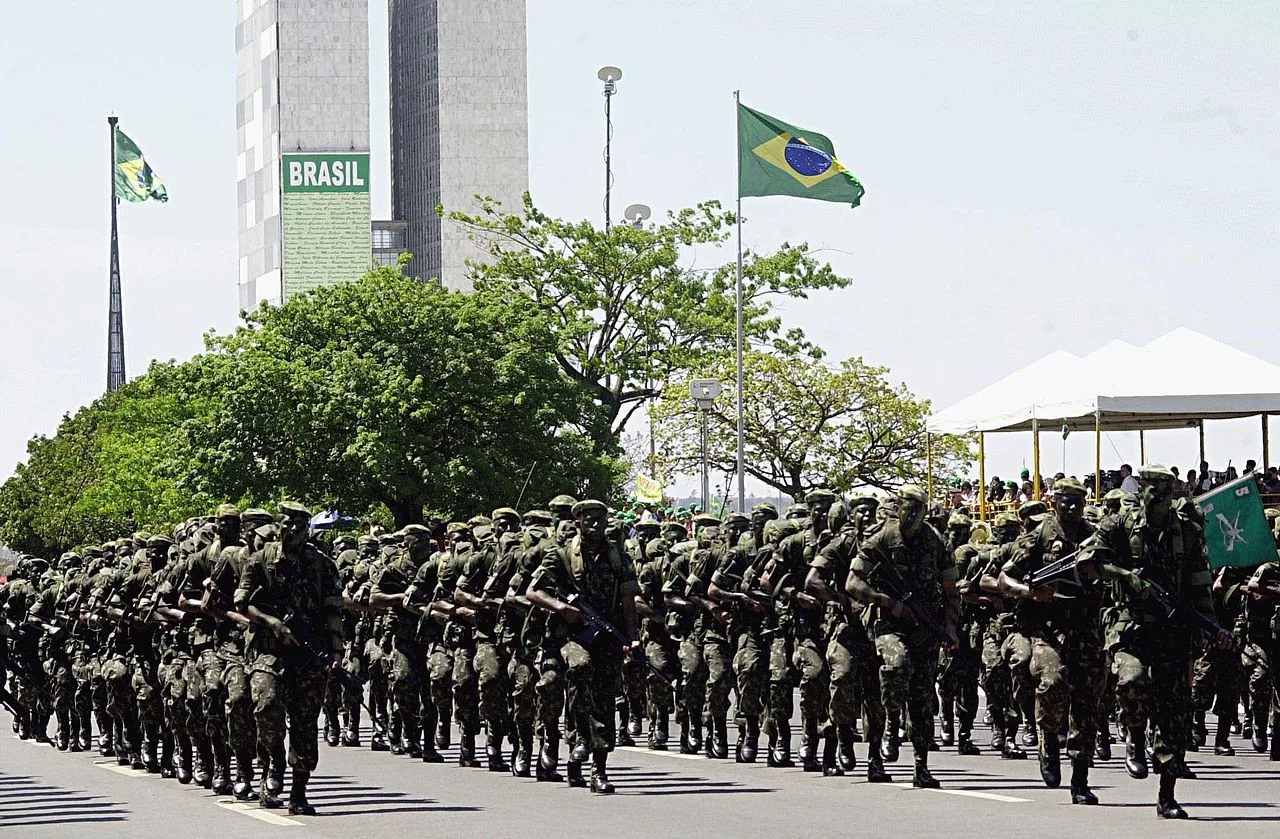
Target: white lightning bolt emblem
1231 532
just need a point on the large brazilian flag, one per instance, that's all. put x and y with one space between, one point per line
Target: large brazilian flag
1235 527
134 179
776 158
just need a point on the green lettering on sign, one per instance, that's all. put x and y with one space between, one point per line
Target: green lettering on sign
325 172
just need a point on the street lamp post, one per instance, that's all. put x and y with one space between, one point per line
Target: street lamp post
610 77
704 393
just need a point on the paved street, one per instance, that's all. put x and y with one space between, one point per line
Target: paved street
47 793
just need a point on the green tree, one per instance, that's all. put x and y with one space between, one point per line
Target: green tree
395 392
806 425
630 308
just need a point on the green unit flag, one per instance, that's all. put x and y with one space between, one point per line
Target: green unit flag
134 179
775 158
1235 528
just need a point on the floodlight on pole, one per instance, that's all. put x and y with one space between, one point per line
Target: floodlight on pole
610 77
637 215
704 393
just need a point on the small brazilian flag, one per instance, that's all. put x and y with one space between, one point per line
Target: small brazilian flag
134 179
775 158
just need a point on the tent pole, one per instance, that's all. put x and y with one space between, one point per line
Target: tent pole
1035 456
928 465
1266 445
1142 446
1200 426
982 477
1097 454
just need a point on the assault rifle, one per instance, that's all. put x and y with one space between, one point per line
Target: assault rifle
595 626
1173 610
886 579
304 638
1065 569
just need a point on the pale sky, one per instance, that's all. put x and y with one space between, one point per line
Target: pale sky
1039 175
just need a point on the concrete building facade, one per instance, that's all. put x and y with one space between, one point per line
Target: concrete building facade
302 89
459 121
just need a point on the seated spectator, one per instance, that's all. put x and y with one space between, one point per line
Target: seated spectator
995 491
1250 466
1128 484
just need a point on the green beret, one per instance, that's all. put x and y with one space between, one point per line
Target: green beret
416 530
1032 508
1156 472
589 505
542 517
562 501
161 542
913 492
819 496
457 527
256 516
765 509
226 511
1068 486
505 513
292 510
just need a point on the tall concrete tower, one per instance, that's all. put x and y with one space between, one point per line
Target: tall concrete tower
459 121
302 145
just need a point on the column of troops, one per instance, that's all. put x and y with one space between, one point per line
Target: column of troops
215 656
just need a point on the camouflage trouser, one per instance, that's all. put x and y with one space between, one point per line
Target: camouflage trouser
1153 684
997 685
958 680
1066 676
440 672
592 679
213 695
173 692
411 687
119 690
466 692
82 672
908 670
1215 682
550 689
693 680
242 729
60 683
1259 660
663 653
780 704
1106 693
379 683
635 677
491 684
522 675
286 694
815 691
751 664
147 691
718 655
851 660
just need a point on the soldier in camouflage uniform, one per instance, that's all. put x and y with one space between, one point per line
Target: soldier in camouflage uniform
345 557
660 647
1065 661
686 627
1000 636
359 630
513 618
717 649
958 669
1215 683
1262 629
604 577
459 640
289 664
908 651
1153 652
850 653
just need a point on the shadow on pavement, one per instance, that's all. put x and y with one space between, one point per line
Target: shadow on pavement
631 781
336 795
24 802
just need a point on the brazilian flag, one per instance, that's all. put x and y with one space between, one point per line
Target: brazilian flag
775 158
134 179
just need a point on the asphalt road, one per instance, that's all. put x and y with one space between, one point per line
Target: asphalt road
44 792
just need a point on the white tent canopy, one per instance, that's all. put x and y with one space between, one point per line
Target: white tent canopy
1175 381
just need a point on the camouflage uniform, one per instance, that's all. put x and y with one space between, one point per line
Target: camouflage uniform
1262 627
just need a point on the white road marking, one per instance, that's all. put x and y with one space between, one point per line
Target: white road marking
253 811
644 751
112 766
968 793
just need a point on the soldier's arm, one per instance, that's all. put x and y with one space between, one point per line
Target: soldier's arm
545 585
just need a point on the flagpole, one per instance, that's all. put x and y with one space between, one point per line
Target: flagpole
742 485
115 313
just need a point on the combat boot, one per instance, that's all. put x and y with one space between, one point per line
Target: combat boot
443 732
751 746
1222 740
183 770
922 779
221 769
523 758
1167 807
331 729
493 752
1080 792
780 746
549 758
890 750
243 787
1199 733
467 750
875 770
997 739
413 748
203 774
1135 755
351 731
694 727
298 804
599 779
266 798
830 760
720 742
622 735
845 738
275 777
86 732
150 759
965 744
660 731
573 774
1050 760
1102 743
948 723
166 756
106 744
809 761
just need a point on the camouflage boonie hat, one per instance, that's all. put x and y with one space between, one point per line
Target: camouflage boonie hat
765 509
864 499
292 510
656 547
819 496
959 520
1069 486
483 532
542 517
1007 520
1114 495
562 501
796 511
160 542
705 520
737 518
478 520
367 542
1031 509
505 513
344 542
649 525
227 511
268 532
456 527
256 516
913 492
1156 472
585 506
